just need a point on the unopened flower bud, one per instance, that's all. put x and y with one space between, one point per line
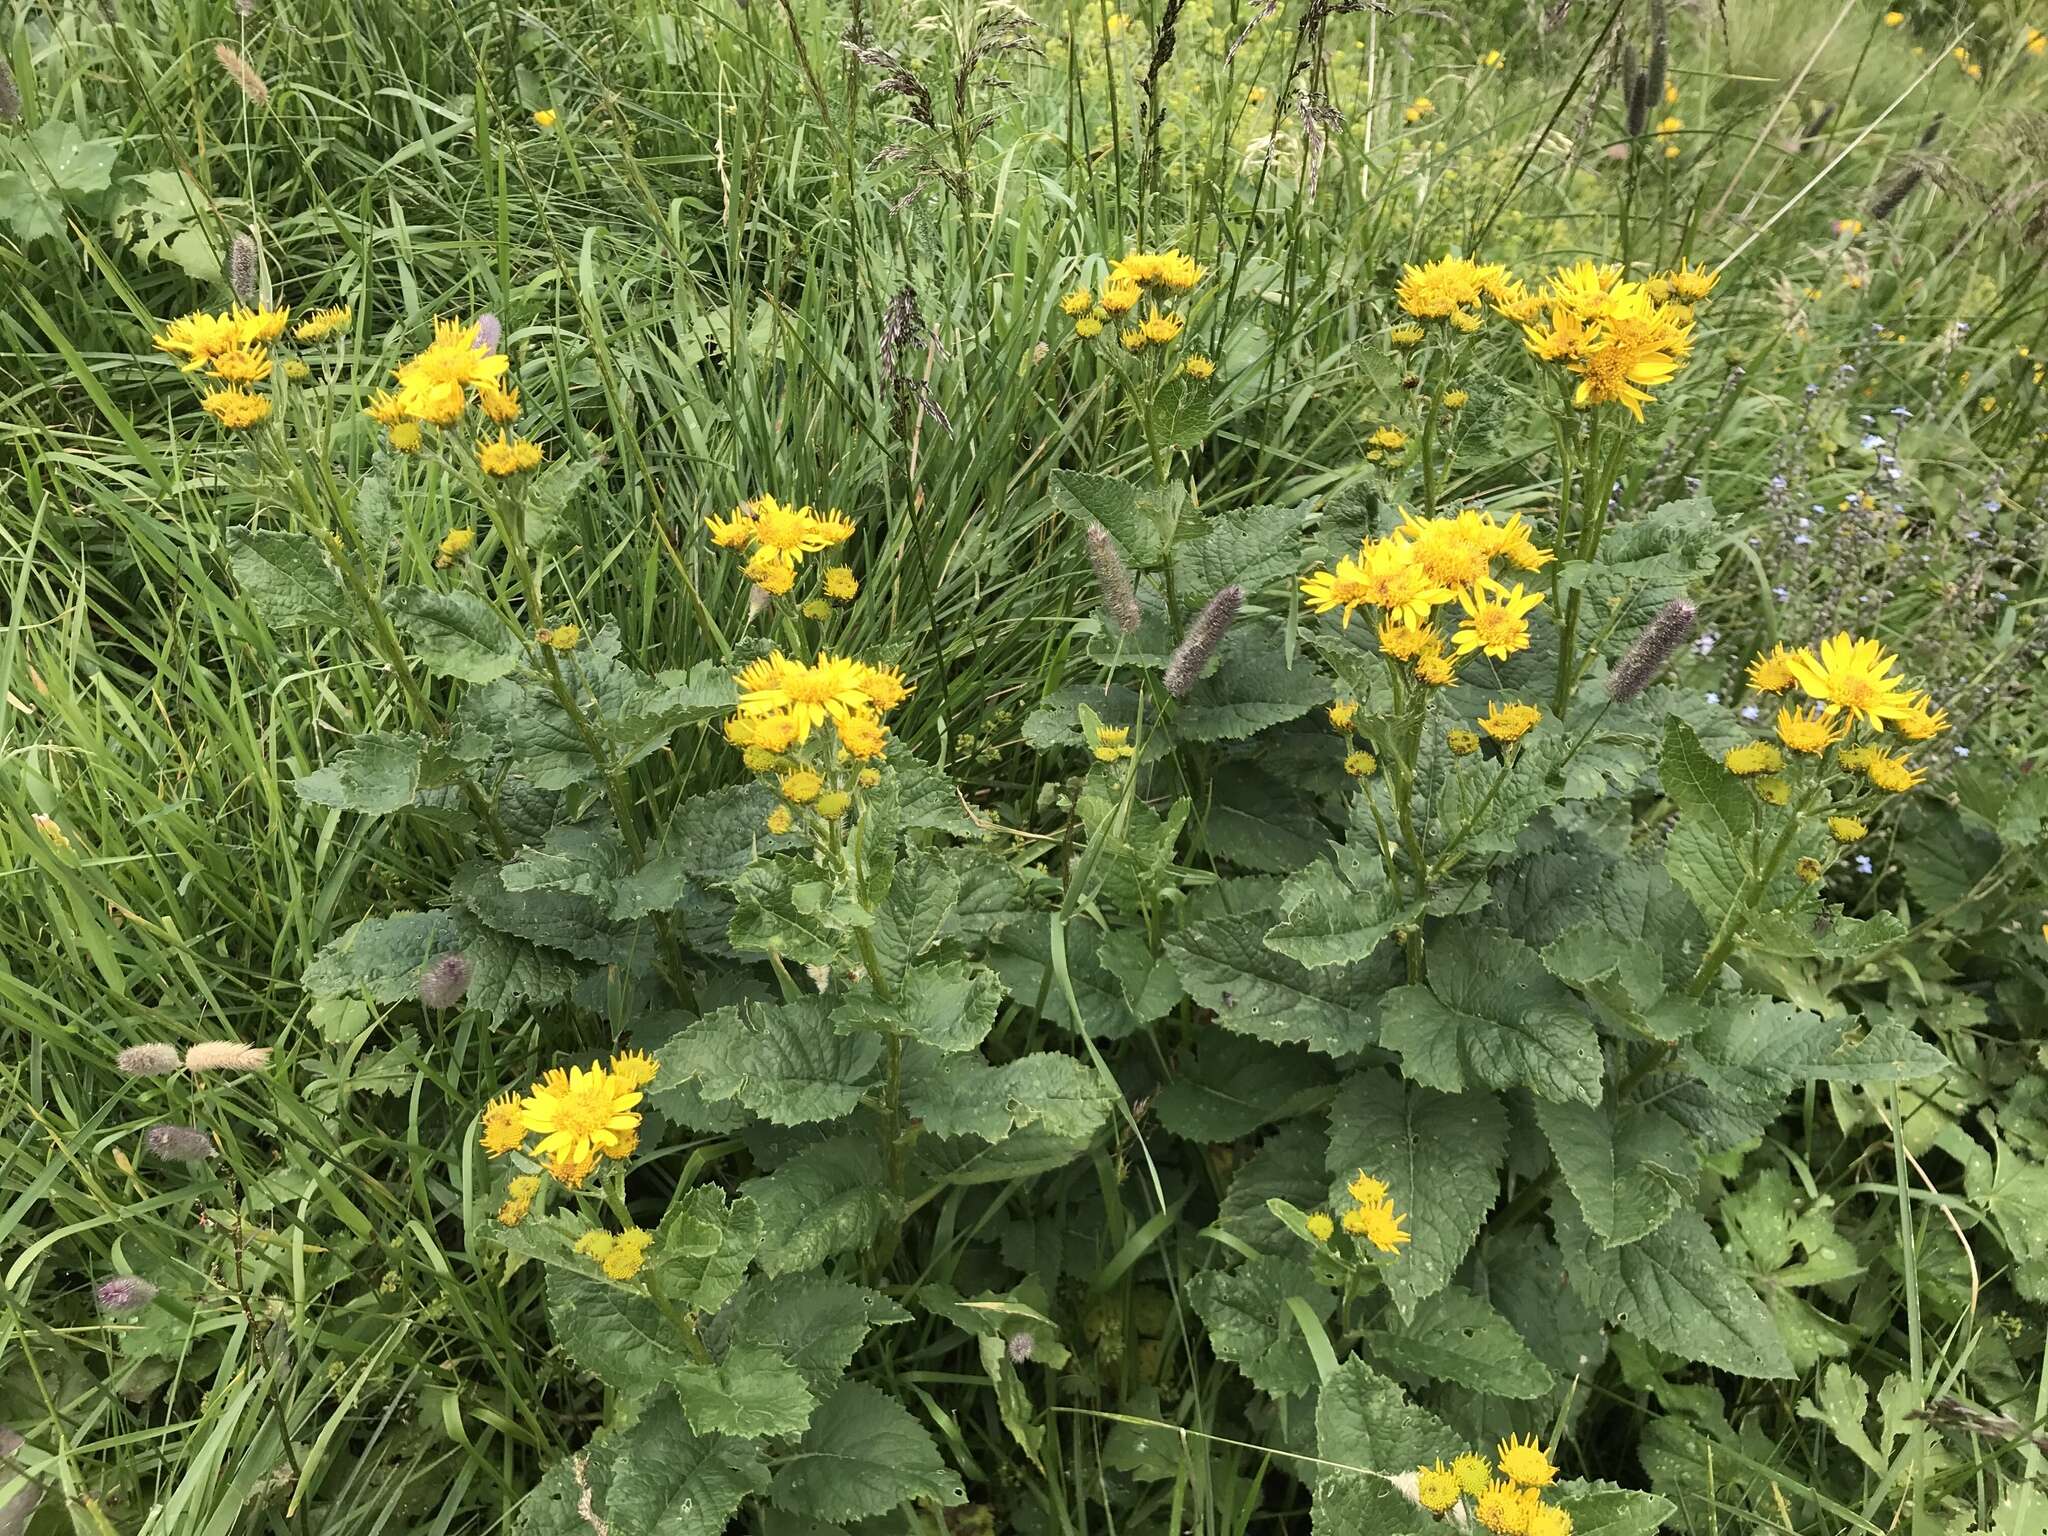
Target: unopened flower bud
1184 668
1112 580
1654 647
153 1060
177 1143
445 981
124 1293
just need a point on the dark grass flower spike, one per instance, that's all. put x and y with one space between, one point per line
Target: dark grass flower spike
1185 667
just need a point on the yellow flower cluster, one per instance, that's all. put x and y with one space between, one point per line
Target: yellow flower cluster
582 1116
1849 682
1429 563
232 348
620 1255
1614 334
461 366
1112 743
1372 1215
783 702
1508 1505
776 535
1141 276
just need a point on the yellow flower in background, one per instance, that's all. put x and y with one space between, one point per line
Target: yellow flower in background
1088 327
1453 552
501 405
884 687
1342 715
1808 869
1406 335
323 323
384 408
519 1195
1892 774
431 386
235 408
1524 1462
405 438
636 1069
1810 730
1436 669
1509 723
1921 721
1894 18
841 584
1161 327
1455 399
199 338
1439 289
1119 295
1361 764
1771 671
504 1130
1847 829
1473 1472
1548 1520
1379 1225
242 365
456 543
53 834
1392 439
1079 302
1418 109
546 117
779 820
1670 125
1496 623
1463 743
862 737
1855 676
1133 339
1494 59
297 371
1320 1227
1749 761
1502 1510
1690 283
833 804
801 787
1198 367
579 1113
507 456
1366 1189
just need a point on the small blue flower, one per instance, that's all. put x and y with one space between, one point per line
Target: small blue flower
1863 864
1781 594
1750 712
1872 440
1713 698
1961 751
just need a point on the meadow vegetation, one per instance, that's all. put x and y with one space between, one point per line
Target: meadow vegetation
993 768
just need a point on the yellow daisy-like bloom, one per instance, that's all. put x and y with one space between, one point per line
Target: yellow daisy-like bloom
1342 714
507 456
431 386
323 323
774 732
1511 722
1077 303
1361 764
501 405
456 543
1466 320
628 1253
1773 791
1418 109
785 531
580 1113
504 1128
1855 676
833 804
841 584
563 638
1892 774
1439 289
1406 642
779 820
1436 669
260 324
242 365
862 737
1453 551
884 687
1198 367
199 338
1894 18
1473 1472
1133 340
1502 1510
1463 743
735 532
1406 335
1161 327
1771 672
808 695
1691 283
1112 743
1749 761
518 1200
1921 721
1808 869
1496 622
1811 731
1119 295
1366 1189
384 408
571 1172
1344 588
405 438
1525 1462
1379 1224
236 408
297 371
773 576
1393 439
1088 327
546 117
1320 1227
868 778
1436 1487
1456 399
636 1069
1847 829
801 787
1548 1520
830 528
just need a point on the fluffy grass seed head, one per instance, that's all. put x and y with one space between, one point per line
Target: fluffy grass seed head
154 1059
226 1056
123 1294
443 984
178 1143
1191 657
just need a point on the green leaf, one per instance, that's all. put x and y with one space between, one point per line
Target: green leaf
285 577
667 1480
964 1096
1288 1166
1251 1326
1251 546
1329 919
1022 955
380 958
1440 1156
1251 688
557 919
862 1456
1142 522
1231 1086
1643 934
717 837
1363 1421
703 1247
376 774
1602 1509
750 1392
508 976
926 797
454 634
1675 1289
921 897
1491 1015
949 1005
830 1197
783 1061
1630 1168
1227 968
621 1338
790 907
1456 1337
1182 412
813 1321
1705 850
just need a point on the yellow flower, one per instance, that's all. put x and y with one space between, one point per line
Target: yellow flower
841 584
1811 731
199 338
431 386
1198 367
771 575
1524 1461
1435 669
1320 1227
1119 295
1161 327
1418 109
1456 399
1361 764
625 1254
1894 18
1854 676
456 543
405 438
1438 290
884 687
1466 320
563 638
518 1199
1088 327
868 778
1454 552
1379 1224
833 804
832 687
1112 743
1494 59
1133 340
2037 41
1393 439
1366 1189
1406 642
235 408
1669 126
323 323
501 405
636 1069
1808 869
579 1113
1548 1520
1463 743
1511 723
507 456
1436 1487
1342 714
545 118
1495 625
384 409
780 821
1773 791
1691 283
1406 335
242 365
1771 672
1502 1510
1077 303
503 1128
1473 1472
1749 761
1892 774
297 371
801 787
1921 721
862 737
735 532
1847 829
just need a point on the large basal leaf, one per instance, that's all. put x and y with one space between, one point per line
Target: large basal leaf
286 578
863 1456
1492 1016
783 1061
827 1199
380 958
949 1005
1456 1337
667 1480
813 1321
1675 1289
1230 1086
454 634
1256 991
1440 1155
750 1392
1629 1167
624 1340
1253 547
1363 1422
376 774
1251 688
1337 911
1251 1325
1140 520
1705 852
